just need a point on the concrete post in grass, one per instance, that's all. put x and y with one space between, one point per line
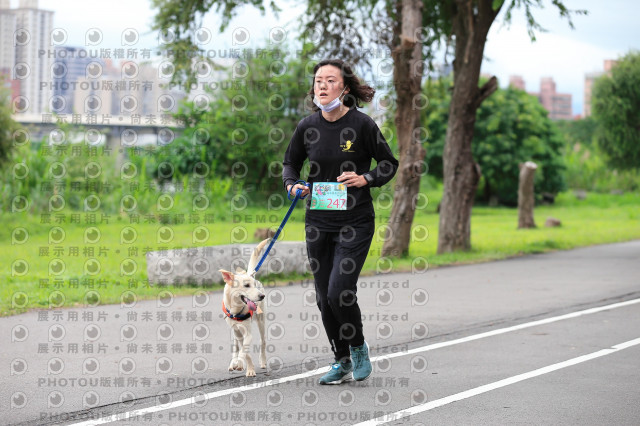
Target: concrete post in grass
526 199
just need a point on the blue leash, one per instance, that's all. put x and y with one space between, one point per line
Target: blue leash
286 217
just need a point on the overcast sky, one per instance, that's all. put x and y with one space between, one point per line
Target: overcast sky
609 31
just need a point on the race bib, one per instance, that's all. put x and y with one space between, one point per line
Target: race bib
328 196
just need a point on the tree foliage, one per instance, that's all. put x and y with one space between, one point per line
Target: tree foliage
511 128
587 166
581 131
616 109
7 125
529 6
244 127
178 21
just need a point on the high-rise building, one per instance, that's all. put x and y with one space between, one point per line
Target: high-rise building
92 97
26 30
7 49
148 93
589 79
558 104
113 93
71 65
96 93
7 31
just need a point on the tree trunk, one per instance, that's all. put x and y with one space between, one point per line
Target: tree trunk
526 199
471 23
407 79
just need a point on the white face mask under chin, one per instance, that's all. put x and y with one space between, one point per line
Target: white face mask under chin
331 105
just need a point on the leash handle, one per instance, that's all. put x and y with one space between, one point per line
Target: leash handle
298 191
284 221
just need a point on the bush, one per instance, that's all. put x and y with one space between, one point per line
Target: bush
86 178
586 164
511 128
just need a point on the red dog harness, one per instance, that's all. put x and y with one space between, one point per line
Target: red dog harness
236 317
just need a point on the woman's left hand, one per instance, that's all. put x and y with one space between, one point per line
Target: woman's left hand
352 179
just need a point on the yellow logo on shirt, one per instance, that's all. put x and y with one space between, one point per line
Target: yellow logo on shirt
346 147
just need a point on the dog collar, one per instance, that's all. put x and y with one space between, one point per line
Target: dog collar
236 317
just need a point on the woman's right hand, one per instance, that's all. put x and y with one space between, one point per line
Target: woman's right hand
293 188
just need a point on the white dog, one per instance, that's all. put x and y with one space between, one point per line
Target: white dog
244 295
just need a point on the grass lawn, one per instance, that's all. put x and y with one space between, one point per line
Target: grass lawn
85 268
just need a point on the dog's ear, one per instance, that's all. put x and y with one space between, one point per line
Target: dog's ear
227 276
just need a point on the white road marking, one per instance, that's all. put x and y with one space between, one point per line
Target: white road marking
398 415
217 394
508 329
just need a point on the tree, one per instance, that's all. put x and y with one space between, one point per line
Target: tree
241 128
616 109
471 21
7 125
586 163
470 24
407 77
511 128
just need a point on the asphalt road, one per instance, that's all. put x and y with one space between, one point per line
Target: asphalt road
541 339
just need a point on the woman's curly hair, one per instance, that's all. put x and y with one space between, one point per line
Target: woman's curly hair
358 92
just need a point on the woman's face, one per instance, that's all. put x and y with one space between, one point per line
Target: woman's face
328 84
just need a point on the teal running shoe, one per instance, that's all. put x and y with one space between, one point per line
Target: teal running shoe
340 372
361 363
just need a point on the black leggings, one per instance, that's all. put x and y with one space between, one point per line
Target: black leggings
336 260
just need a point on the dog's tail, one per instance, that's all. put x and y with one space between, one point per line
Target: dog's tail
255 256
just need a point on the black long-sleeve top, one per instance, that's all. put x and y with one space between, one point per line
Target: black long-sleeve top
347 144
